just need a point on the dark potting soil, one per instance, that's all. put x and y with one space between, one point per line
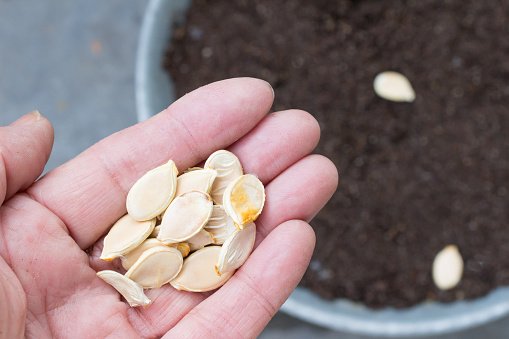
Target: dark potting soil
414 177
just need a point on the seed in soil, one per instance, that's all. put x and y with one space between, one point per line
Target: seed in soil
447 268
393 86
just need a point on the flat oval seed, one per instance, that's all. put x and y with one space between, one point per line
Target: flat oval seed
155 231
124 236
156 267
130 290
183 247
243 199
199 274
200 240
190 169
185 217
447 268
153 192
236 249
393 86
130 258
197 180
220 225
228 168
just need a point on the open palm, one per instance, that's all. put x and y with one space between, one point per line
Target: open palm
51 230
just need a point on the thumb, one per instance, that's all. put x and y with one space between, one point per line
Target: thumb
25 146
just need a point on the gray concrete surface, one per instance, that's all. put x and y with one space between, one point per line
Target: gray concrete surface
74 62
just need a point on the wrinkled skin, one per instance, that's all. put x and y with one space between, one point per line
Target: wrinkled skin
51 229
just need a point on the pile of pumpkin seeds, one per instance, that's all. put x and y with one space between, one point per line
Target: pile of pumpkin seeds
191 230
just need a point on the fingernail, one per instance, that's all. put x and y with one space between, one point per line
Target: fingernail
28 119
36 115
272 89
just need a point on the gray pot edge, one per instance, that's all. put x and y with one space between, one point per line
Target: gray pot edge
153 91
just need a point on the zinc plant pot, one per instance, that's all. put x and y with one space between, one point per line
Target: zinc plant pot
155 92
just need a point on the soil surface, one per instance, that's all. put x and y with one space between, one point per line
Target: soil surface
414 177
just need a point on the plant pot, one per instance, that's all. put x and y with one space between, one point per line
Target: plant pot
153 94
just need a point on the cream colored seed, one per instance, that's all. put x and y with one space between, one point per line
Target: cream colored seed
156 267
447 268
130 290
236 249
153 192
183 247
244 199
130 258
198 273
393 86
125 235
159 218
220 225
185 217
200 240
228 168
197 180
155 231
190 169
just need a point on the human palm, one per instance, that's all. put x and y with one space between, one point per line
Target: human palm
51 230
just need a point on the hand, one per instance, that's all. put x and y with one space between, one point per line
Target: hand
49 228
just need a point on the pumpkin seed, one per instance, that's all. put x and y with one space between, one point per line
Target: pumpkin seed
130 290
393 86
236 249
198 273
183 247
220 225
125 235
130 258
197 180
244 199
447 268
156 267
228 168
153 192
155 231
185 217
200 240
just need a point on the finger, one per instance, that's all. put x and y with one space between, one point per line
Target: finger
13 305
277 142
25 147
88 193
300 192
247 302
